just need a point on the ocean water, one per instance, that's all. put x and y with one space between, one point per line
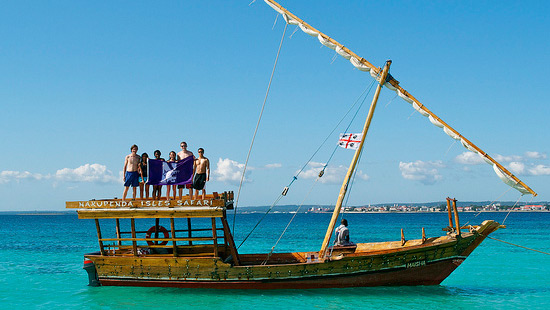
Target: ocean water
41 259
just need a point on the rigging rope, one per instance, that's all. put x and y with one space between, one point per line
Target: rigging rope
512 208
292 219
364 93
256 130
520 246
364 96
509 188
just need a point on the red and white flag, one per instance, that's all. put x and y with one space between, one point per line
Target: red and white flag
350 140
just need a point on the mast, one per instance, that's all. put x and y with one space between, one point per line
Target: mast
353 164
392 84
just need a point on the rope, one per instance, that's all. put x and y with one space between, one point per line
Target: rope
509 188
296 176
292 219
349 125
364 93
512 208
265 214
520 246
257 125
387 104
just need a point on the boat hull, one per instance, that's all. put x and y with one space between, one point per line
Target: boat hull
431 274
427 262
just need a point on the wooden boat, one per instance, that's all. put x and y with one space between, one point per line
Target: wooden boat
196 248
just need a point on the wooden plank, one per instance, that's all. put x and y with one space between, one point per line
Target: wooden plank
150 213
159 239
144 203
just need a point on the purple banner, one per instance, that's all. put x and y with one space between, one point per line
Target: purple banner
174 173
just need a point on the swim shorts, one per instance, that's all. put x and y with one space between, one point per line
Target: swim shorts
143 180
199 181
185 186
131 178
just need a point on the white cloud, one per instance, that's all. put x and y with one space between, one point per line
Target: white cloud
332 174
273 166
230 171
539 170
469 158
516 167
523 169
425 172
94 173
535 155
505 159
8 176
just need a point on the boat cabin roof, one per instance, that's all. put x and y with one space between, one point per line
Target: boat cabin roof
211 207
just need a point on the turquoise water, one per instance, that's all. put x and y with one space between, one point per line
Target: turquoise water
41 266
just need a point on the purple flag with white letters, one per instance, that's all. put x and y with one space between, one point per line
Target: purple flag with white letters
174 173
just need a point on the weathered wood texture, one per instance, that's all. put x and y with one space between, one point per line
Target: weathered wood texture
176 212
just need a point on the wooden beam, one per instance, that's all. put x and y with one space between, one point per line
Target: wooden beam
353 164
98 228
215 237
134 243
450 215
456 217
189 230
173 230
232 247
395 84
118 231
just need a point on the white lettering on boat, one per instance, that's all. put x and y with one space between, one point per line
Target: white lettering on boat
416 264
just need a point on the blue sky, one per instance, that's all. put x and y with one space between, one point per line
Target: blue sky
82 81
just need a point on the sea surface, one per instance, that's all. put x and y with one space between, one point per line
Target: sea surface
41 259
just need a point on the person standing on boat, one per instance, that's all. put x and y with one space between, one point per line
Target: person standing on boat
157 189
131 171
169 187
184 153
201 170
342 234
143 179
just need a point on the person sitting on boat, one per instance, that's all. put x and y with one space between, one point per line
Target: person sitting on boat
342 234
131 171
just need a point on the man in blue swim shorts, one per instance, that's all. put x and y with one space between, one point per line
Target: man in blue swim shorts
131 171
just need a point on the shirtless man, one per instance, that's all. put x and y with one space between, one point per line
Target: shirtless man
201 170
184 153
131 171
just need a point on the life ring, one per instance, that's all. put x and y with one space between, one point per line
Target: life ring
152 231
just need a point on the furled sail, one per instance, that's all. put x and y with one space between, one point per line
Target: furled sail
392 84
